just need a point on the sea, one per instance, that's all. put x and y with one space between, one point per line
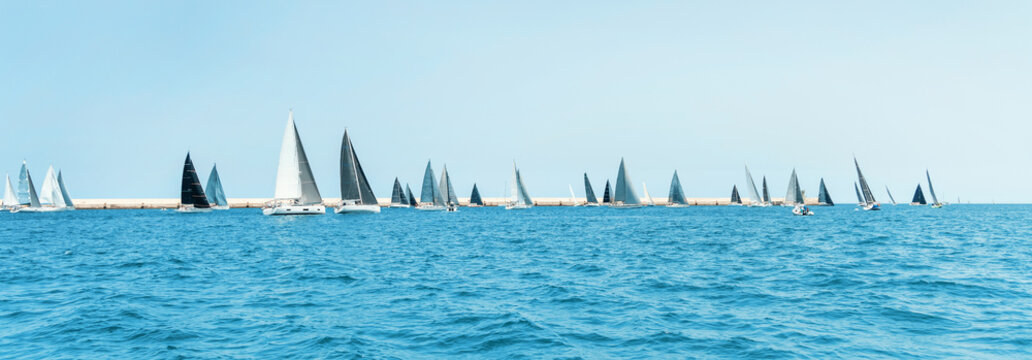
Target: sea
702 282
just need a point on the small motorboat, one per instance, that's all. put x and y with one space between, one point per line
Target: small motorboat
802 210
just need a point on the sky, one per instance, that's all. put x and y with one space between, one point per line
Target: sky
116 93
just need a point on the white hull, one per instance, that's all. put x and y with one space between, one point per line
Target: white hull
628 206
192 210
518 207
801 211
872 207
430 208
314 209
223 207
42 209
592 204
399 206
357 209
678 205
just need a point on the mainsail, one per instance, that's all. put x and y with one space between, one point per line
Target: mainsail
192 193
520 195
624 192
676 193
864 188
589 193
794 195
64 191
766 193
919 198
474 198
33 199
353 183
756 199
294 180
892 199
51 191
398 195
447 191
216 196
931 190
408 195
607 196
24 183
859 198
823 197
735 198
10 199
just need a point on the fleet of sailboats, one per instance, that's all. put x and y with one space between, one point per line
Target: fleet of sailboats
53 197
296 192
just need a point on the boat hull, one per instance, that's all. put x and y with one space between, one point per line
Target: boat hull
223 207
399 206
518 207
192 210
294 210
430 208
678 205
628 206
357 209
41 209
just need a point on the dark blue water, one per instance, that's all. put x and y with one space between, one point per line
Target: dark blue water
707 282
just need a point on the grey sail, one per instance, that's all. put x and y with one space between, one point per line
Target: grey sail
752 187
735 198
353 183
859 197
23 185
892 199
931 190
309 192
624 191
398 195
33 198
589 193
864 188
429 192
676 192
216 196
766 193
919 198
192 193
474 197
411 199
607 195
447 191
521 190
794 195
823 197
64 191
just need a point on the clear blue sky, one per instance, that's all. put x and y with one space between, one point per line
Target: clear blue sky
115 93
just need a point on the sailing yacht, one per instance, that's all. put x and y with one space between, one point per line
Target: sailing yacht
766 194
676 197
451 201
356 196
589 193
51 198
624 196
648 198
31 199
869 202
755 199
430 198
607 195
890 195
10 200
935 200
475 200
519 199
573 197
24 183
296 192
191 196
795 195
736 199
919 198
398 198
216 196
823 197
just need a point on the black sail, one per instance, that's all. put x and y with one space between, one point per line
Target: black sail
735 198
474 198
919 198
398 195
411 199
589 193
192 192
823 197
766 194
607 196
353 183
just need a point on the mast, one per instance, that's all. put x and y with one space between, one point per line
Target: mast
214 191
624 190
823 197
919 198
676 193
864 188
589 193
294 180
752 187
192 193
735 198
931 190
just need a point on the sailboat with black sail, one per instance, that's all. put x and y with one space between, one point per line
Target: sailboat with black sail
919 198
625 197
356 195
607 195
519 199
766 193
296 192
676 197
589 193
823 197
475 200
216 196
736 199
398 198
411 198
192 198
869 202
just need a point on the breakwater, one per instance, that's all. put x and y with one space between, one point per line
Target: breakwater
96 204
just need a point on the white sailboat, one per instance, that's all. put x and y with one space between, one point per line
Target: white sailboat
296 192
356 196
430 198
648 198
624 197
447 191
794 196
935 200
755 199
573 197
51 198
30 190
10 200
869 202
519 199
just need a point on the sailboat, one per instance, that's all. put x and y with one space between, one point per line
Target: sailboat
10 200
736 199
869 202
216 196
24 183
919 198
676 197
474 198
356 195
430 198
191 195
607 195
398 198
30 191
573 197
451 201
823 197
766 193
755 199
64 191
519 198
648 198
624 196
51 198
296 192
408 194
794 196
890 195
935 200
589 193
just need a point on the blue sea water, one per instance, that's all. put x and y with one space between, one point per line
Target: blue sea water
699 282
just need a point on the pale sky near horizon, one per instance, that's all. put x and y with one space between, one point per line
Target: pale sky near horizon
116 92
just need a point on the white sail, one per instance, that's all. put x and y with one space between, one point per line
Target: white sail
756 199
573 197
294 180
645 190
10 199
50 193
520 197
